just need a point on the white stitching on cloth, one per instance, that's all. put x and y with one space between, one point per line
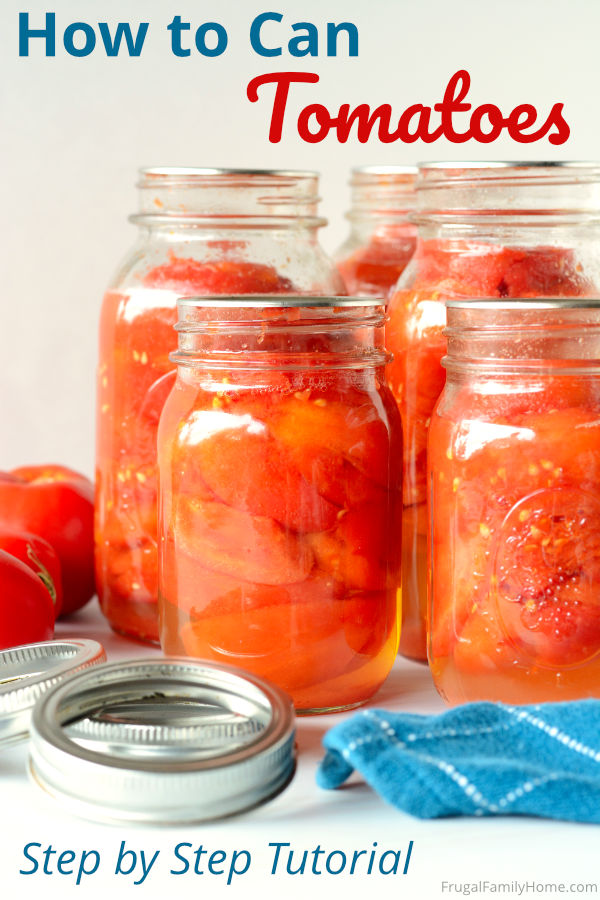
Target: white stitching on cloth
470 789
552 731
454 732
368 738
517 714
526 788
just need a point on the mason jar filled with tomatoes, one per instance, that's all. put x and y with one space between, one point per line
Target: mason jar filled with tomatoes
208 231
280 457
485 230
514 473
382 238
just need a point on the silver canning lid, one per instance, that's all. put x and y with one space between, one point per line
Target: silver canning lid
28 671
163 741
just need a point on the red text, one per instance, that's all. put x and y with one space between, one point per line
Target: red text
486 123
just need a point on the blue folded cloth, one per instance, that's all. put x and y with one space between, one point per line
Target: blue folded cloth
480 759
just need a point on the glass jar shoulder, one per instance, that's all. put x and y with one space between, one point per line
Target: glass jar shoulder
351 243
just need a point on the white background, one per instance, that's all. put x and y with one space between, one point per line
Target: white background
74 131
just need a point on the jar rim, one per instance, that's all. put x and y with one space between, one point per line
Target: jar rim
202 172
404 172
277 301
527 303
509 164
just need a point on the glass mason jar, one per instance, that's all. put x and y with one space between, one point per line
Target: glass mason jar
280 459
382 239
209 231
514 469
496 230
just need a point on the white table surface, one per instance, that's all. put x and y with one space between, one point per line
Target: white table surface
457 851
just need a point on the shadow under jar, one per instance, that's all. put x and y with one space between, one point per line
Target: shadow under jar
280 459
495 230
514 472
202 231
382 238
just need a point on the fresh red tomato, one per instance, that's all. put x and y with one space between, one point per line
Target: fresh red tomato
47 472
26 608
57 504
40 556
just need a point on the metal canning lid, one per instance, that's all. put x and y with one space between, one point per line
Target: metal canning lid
29 671
163 741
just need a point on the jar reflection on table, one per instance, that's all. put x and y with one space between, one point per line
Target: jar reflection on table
382 239
208 231
497 230
280 496
514 469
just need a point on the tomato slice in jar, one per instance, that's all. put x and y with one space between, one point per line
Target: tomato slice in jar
202 592
546 576
217 276
375 268
541 272
273 486
481 646
476 269
321 433
233 542
368 619
355 551
295 644
142 344
567 441
133 570
522 500
274 629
